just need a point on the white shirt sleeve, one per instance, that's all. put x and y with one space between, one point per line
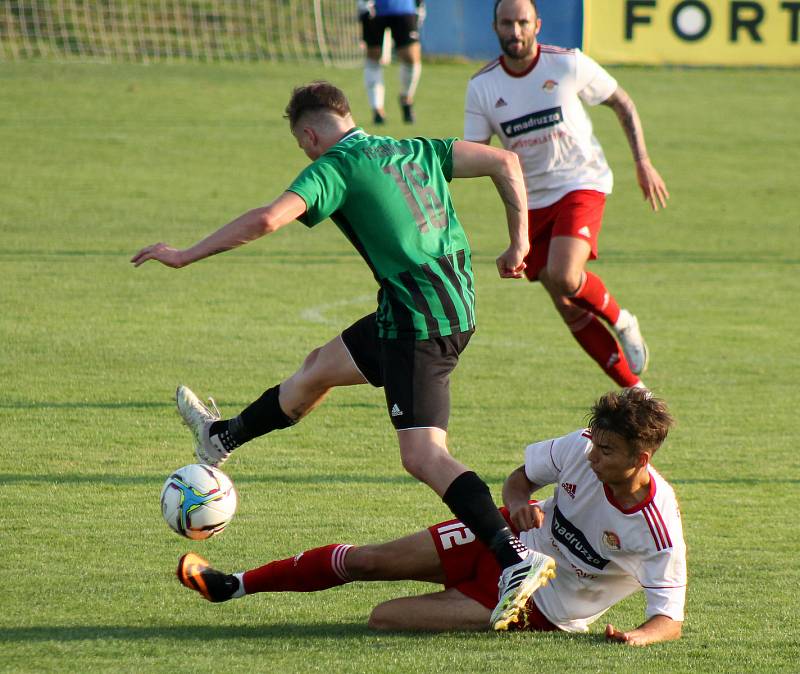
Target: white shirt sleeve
668 597
665 601
593 82
476 124
545 460
663 578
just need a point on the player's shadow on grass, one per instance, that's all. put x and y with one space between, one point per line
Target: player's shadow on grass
84 405
56 479
146 405
207 633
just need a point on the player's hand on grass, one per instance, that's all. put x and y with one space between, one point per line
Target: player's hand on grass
613 634
526 517
511 263
651 184
161 252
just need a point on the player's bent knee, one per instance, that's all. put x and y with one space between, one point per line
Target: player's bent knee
414 464
311 359
563 283
321 366
383 618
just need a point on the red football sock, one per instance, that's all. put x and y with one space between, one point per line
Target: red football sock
594 296
312 570
600 344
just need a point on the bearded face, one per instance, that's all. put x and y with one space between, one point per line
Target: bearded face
516 25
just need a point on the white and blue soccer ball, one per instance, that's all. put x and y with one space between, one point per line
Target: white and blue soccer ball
198 501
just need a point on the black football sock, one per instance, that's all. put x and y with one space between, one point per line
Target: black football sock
221 586
257 419
471 502
230 432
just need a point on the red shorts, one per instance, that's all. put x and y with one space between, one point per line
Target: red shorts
471 568
578 214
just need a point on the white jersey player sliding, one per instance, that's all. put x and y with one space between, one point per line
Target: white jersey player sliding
612 528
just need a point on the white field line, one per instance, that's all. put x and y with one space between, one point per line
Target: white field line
318 313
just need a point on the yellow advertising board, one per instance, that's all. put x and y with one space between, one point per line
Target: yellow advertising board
693 32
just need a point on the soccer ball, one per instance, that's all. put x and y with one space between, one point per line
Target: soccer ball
198 501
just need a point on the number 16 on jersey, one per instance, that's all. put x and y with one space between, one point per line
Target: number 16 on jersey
412 186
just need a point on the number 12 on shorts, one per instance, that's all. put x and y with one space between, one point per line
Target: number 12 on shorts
454 534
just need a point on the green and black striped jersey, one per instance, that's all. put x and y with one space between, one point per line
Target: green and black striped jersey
390 199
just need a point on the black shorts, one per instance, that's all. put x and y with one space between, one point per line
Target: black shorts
414 374
404 29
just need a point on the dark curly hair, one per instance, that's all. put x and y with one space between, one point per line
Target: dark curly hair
636 415
316 96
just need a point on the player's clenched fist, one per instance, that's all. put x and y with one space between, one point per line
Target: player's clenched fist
527 517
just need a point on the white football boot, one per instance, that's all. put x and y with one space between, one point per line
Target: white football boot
630 338
517 583
198 418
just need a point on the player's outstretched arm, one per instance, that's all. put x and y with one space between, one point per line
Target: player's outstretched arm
650 182
658 628
246 228
472 160
517 490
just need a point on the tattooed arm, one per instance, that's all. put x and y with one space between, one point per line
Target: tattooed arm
471 160
650 182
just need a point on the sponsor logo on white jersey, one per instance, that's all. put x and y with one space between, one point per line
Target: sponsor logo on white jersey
575 541
569 488
533 121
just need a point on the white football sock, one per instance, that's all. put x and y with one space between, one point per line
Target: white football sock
240 592
373 80
409 79
623 320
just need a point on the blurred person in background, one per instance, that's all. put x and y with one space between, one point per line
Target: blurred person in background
403 18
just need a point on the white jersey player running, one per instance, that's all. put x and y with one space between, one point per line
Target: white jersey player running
537 113
531 98
612 528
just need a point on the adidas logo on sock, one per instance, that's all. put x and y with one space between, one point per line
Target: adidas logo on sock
396 411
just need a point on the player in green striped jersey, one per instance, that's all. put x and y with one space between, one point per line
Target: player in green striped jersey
390 199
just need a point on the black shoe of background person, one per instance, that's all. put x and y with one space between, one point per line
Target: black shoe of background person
408 112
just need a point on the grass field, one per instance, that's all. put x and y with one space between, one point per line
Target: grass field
97 161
